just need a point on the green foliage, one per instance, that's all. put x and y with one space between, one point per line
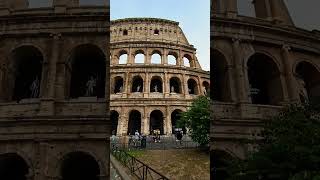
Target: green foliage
197 120
290 149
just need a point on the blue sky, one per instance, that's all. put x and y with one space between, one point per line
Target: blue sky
193 16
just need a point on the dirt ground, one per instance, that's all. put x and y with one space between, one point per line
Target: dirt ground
190 164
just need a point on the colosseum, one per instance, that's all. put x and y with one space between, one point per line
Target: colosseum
51 125
155 75
259 65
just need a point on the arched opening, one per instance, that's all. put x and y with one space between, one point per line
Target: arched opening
88 72
139 58
192 87
206 88
186 61
114 116
220 164
172 60
25 73
137 84
156 84
80 166
125 32
13 167
156 121
134 122
175 117
118 85
221 80
156 32
308 81
123 57
156 58
175 85
264 80
246 8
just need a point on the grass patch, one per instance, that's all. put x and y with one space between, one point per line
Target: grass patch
135 153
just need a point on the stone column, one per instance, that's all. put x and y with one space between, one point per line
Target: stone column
147 57
232 8
164 57
165 125
280 12
145 124
47 101
239 76
122 124
130 57
200 86
184 86
166 85
169 124
293 91
146 86
126 89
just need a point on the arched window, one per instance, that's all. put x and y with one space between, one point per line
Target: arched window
134 123
156 32
80 166
123 57
156 58
118 85
264 80
175 117
186 62
139 58
206 88
137 84
25 79
156 121
175 85
192 87
125 32
14 167
88 71
220 71
172 60
308 81
156 84
246 8
114 117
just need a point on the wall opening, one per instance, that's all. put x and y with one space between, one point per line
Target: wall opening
156 121
156 84
175 85
134 123
137 84
13 167
114 117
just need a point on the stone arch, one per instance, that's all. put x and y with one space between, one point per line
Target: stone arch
308 80
172 58
122 57
134 122
139 57
14 166
156 84
79 165
114 117
187 60
193 87
137 84
156 57
221 78
118 84
24 73
175 116
175 85
264 80
206 87
156 121
87 64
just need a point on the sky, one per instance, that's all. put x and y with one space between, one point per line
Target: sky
193 17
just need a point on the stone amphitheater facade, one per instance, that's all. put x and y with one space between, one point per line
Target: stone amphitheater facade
51 132
155 75
259 65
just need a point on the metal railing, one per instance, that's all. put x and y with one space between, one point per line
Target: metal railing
137 167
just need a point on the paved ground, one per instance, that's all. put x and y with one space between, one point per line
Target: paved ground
113 173
178 164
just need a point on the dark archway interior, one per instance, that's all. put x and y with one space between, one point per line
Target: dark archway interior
206 86
137 84
192 86
221 86
175 116
80 166
13 167
114 116
88 63
311 77
156 85
264 80
27 72
134 122
118 85
220 163
156 121
175 83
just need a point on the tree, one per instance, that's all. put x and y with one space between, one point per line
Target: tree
290 149
197 120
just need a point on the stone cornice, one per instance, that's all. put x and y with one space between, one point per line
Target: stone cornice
149 44
145 19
